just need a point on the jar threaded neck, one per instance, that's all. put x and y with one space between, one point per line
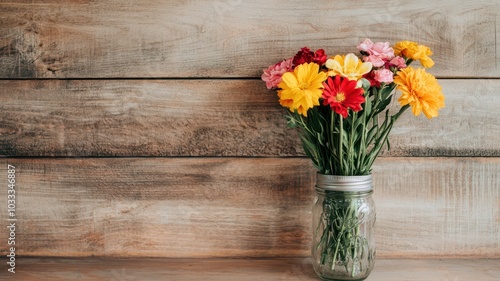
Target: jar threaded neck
344 183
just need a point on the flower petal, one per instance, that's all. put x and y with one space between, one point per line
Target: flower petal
289 80
350 62
365 68
333 65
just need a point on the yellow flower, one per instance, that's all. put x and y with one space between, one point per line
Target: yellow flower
420 90
349 66
302 88
414 51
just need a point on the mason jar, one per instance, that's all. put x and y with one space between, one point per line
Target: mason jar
343 246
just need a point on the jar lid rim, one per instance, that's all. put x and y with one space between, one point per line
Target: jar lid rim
344 183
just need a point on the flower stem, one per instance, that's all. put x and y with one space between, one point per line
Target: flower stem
356 233
332 123
339 239
341 140
350 150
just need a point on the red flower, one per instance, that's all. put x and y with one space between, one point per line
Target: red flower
320 57
305 55
341 94
370 76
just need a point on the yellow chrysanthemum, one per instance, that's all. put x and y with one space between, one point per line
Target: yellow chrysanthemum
420 90
349 66
414 51
302 88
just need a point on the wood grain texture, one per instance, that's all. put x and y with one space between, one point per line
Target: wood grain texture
244 207
232 38
212 118
290 269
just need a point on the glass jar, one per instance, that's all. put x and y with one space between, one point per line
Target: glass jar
343 246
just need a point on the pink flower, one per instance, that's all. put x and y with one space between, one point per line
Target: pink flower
398 62
272 75
365 46
383 75
377 53
376 61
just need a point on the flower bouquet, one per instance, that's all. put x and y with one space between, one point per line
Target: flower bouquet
341 107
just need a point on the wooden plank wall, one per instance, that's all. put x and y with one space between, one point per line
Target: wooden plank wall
142 129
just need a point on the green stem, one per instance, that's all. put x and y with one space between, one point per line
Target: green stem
351 145
341 140
304 125
339 239
356 233
332 123
384 135
401 110
362 150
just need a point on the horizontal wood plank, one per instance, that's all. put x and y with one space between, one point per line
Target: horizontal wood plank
213 118
232 38
291 269
243 207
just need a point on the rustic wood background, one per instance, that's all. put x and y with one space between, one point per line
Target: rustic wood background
142 128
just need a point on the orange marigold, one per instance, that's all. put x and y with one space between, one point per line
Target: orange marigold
420 90
414 51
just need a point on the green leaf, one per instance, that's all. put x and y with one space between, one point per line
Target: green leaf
384 103
320 138
371 134
368 106
310 149
358 122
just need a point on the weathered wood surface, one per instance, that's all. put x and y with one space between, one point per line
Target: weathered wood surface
232 38
244 207
212 118
289 269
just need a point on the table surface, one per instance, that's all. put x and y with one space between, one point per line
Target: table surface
288 269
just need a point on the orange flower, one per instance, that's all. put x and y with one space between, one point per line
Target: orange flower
414 51
420 90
